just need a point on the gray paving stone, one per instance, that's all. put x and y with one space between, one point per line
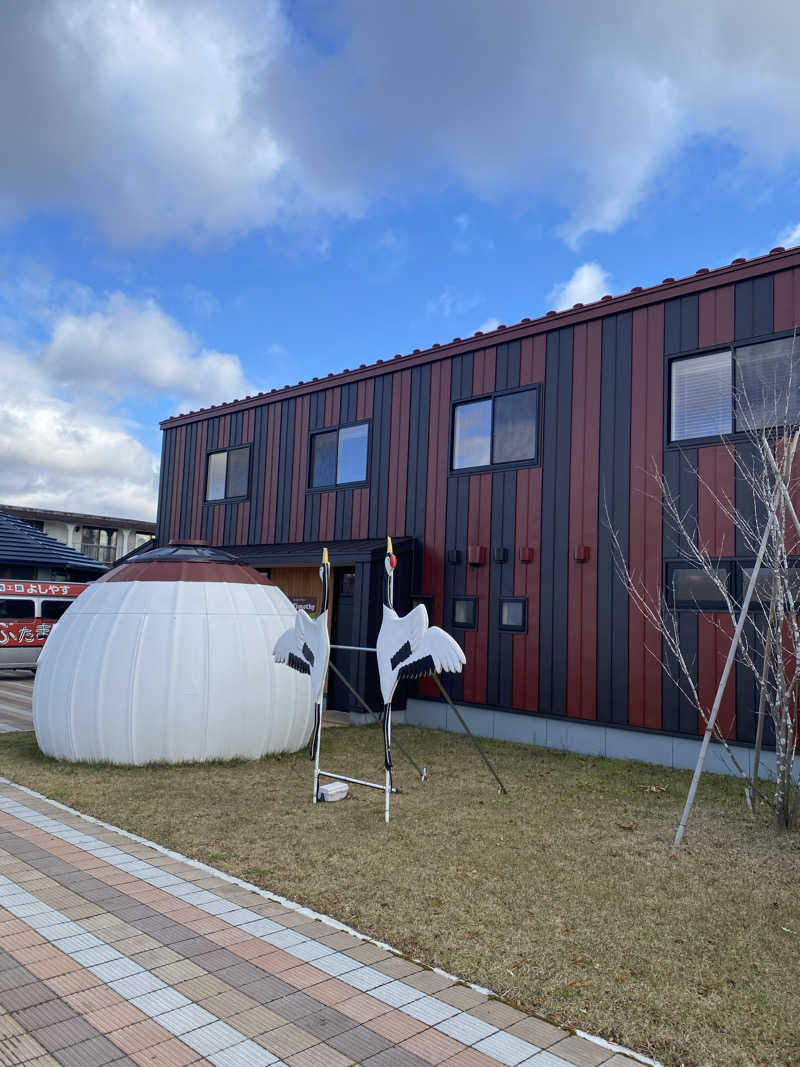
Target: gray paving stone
44 1014
395 1057
295 1006
95 1052
61 1035
359 1043
267 989
241 974
26 996
326 1023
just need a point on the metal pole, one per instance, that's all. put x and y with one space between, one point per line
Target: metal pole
318 731
388 773
725 673
353 648
446 695
355 781
423 773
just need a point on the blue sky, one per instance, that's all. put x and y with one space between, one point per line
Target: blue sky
199 200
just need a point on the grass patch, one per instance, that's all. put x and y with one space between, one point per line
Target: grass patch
543 896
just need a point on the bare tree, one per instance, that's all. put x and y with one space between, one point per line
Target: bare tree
762 616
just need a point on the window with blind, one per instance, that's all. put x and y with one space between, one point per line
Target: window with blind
701 396
228 474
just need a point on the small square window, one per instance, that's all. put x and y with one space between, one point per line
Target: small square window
465 613
339 457
500 429
701 396
762 593
426 601
228 474
514 614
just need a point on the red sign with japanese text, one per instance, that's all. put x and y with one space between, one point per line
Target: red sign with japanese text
14 633
54 589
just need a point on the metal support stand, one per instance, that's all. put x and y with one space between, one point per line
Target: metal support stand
314 752
500 787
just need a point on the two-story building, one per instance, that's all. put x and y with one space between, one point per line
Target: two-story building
491 461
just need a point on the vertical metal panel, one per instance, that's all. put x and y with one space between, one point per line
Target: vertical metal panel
715 499
379 457
476 642
176 472
461 375
501 584
555 524
681 324
299 470
436 497
189 465
644 528
418 466
316 410
272 470
164 486
715 317
455 569
747 692
360 521
333 399
344 515
755 305
399 473
614 498
198 492
258 462
747 506
285 468
527 576
508 365
311 517
327 516
786 291
208 509
680 481
347 411
679 715
714 636
583 518
483 371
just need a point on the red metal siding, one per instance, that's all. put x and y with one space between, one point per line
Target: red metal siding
359 524
715 322
398 453
299 469
327 516
583 502
484 364
525 685
270 489
786 295
476 642
436 501
714 636
715 495
333 399
364 398
645 528
199 487
177 482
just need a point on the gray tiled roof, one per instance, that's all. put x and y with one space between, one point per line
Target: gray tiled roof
22 544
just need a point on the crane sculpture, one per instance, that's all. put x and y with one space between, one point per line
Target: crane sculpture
306 647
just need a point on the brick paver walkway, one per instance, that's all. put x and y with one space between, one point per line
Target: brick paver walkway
115 952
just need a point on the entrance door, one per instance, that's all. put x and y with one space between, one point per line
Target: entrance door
339 697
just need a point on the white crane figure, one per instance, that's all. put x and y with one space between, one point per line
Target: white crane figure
407 647
306 648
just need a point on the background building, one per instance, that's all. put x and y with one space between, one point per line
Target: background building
493 462
103 538
28 554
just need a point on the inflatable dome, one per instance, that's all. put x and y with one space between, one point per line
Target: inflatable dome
168 658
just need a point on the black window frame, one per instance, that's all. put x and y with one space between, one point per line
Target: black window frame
709 350
698 605
473 600
423 598
229 499
310 487
503 627
513 464
747 564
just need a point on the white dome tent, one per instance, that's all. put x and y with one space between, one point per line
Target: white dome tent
167 658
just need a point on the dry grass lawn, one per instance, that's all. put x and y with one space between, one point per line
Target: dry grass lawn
565 897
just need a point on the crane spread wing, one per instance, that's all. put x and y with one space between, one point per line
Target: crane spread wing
291 648
436 651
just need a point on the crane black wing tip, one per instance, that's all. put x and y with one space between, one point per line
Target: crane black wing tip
418 668
298 664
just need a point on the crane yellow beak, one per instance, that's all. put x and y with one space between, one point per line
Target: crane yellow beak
389 548
324 556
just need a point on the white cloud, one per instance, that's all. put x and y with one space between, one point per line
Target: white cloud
790 237
58 454
130 346
451 302
588 283
490 325
196 120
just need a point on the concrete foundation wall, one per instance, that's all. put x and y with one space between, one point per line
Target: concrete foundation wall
586 738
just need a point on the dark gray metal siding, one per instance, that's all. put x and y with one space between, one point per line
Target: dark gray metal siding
555 524
189 461
507 366
418 466
286 449
678 713
208 509
681 324
754 307
165 483
614 508
501 584
258 461
378 473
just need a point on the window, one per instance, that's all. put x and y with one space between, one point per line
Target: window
746 387
425 600
690 587
228 474
762 594
17 609
514 614
500 429
99 543
767 384
465 613
339 457
54 609
702 388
